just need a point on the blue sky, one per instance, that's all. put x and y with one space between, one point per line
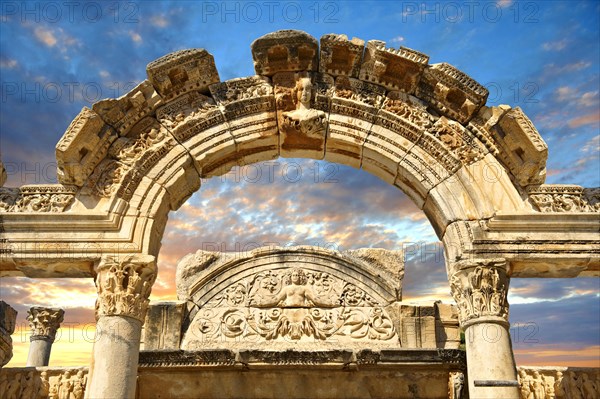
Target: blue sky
56 57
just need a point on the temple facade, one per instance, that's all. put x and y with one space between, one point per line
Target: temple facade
301 321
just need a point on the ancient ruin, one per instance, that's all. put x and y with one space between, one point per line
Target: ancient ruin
297 322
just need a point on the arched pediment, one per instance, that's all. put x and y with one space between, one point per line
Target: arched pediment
295 294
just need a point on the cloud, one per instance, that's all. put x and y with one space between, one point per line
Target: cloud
135 36
555 46
397 39
6 63
588 119
159 21
504 3
45 36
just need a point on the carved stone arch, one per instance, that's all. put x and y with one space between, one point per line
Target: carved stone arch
144 153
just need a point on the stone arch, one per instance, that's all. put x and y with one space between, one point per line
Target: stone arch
423 128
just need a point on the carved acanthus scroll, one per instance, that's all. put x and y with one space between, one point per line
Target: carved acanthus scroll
565 198
33 198
124 286
291 304
480 289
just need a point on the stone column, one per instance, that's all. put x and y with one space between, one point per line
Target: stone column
123 284
480 288
43 323
8 317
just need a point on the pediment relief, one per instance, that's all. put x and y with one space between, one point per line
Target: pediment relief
300 294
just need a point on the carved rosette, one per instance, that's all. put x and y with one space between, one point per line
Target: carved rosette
44 322
479 288
124 286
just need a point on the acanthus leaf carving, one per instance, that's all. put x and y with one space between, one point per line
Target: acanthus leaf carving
480 289
44 322
124 286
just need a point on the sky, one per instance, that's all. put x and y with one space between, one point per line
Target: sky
56 57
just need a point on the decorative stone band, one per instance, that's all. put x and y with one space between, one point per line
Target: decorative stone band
480 287
124 284
564 198
47 198
559 382
44 322
44 382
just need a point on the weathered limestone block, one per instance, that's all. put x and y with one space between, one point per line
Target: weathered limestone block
198 124
564 198
126 111
447 329
451 92
162 328
393 69
354 105
84 144
43 383
340 56
302 128
285 51
522 148
249 108
44 322
417 326
182 71
559 382
8 317
3 175
37 198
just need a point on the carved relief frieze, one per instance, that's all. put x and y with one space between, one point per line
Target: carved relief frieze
130 156
480 289
37 198
457 139
30 383
291 305
559 383
124 287
564 198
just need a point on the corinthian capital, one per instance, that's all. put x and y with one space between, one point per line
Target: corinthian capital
44 322
480 287
124 284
